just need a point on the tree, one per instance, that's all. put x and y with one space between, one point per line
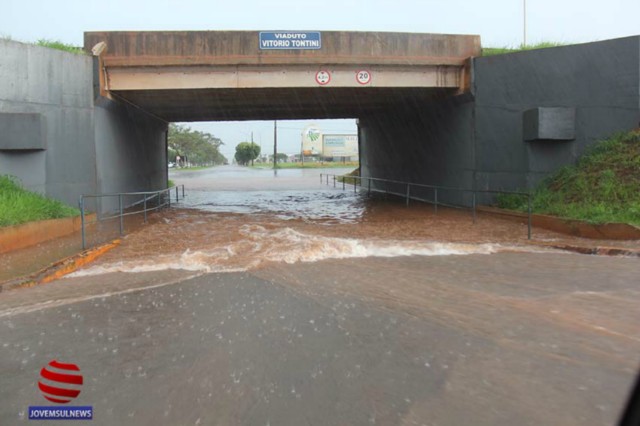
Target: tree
281 157
246 152
200 148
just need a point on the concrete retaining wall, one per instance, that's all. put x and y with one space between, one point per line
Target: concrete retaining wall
601 81
477 141
130 149
56 86
429 144
85 147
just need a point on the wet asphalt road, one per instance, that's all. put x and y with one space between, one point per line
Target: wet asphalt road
455 341
510 338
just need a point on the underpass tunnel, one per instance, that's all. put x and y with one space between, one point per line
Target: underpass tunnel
432 111
404 134
424 141
393 84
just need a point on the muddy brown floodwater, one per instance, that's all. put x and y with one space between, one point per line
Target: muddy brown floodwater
238 219
273 299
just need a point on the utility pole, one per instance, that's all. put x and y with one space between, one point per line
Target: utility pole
302 148
524 24
275 144
251 149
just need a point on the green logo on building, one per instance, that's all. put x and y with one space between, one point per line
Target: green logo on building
313 134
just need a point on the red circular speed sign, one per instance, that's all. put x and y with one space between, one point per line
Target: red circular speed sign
363 77
323 77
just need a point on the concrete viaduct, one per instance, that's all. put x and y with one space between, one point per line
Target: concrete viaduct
207 76
430 108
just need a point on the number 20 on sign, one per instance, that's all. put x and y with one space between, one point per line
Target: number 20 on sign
363 77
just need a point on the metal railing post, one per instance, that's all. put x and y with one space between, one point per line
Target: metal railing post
320 177
183 191
177 199
334 181
529 213
327 179
121 217
168 191
344 182
368 187
408 193
435 200
474 207
355 186
145 208
84 243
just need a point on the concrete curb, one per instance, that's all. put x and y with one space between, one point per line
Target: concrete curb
576 228
60 268
32 233
597 251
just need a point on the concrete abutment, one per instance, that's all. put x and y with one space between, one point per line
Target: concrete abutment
76 143
578 95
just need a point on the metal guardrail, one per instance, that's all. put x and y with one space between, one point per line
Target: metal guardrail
157 199
357 181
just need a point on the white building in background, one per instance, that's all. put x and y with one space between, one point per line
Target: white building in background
318 146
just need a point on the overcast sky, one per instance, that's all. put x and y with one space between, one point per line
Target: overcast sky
498 22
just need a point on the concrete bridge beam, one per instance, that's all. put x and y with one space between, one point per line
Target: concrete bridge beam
229 77
217 75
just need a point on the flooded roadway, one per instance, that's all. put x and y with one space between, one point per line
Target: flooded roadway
276 300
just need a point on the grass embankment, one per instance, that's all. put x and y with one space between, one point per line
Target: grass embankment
307 165
492 51
58 45
349 180
51 44
17 205
603 187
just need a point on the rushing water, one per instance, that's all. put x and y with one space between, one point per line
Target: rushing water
278 297
237 218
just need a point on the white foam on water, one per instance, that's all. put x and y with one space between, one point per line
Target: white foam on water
290 246
196 261
260 245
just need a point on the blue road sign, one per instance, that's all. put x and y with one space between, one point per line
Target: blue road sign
299 40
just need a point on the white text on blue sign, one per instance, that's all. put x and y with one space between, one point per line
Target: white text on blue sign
290 40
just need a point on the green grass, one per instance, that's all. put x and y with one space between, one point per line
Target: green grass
58 45
492 51
170 183
51 44
17 205
350 180
307 165
603 187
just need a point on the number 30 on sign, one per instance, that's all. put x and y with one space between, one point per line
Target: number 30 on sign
363 77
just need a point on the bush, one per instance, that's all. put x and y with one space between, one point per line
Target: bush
58 45
17 205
